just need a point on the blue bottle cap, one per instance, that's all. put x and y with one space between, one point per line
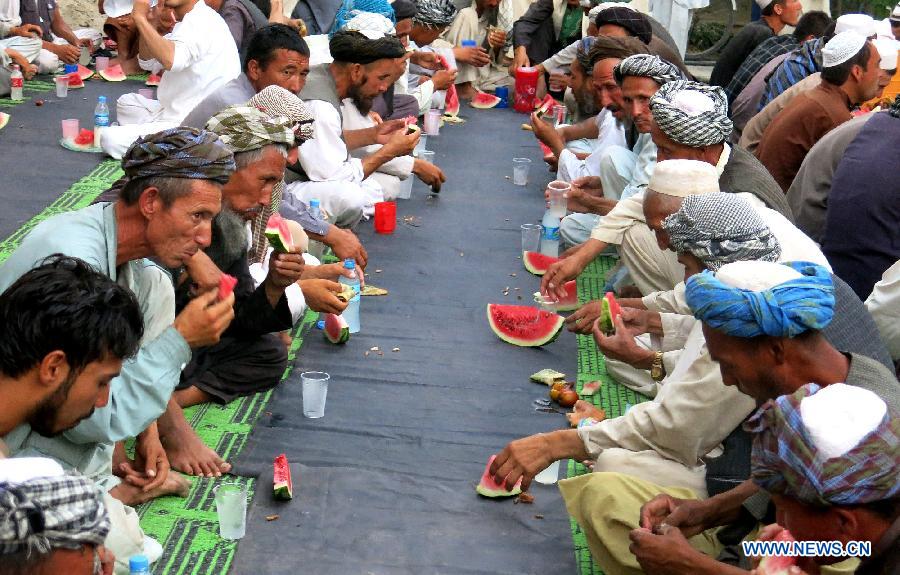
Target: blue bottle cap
138 563
69 68
314 203
349 264
101 99
469 43
320 324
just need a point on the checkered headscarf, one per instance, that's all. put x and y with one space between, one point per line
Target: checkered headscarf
719 229
276 101
435 13
44 513
179 153
786 460
691 113
244 128
648 66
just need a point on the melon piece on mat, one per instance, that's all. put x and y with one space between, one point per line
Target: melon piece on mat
568 303
537 263
4 120
777 564
84 73
609 311
547 376
487 487
283 487
226 286
336 329
153 80
113 73
524 325
278 234
484 101
75 81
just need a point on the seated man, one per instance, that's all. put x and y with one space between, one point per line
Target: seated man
198 57
828 456
53 522
19 42
882 304
59 42
250 357
850 70
8 57
119 28
483 66
164 212
362 69
799 337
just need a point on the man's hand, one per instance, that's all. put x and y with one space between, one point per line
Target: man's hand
321 295
640 321
522 459
472 55
66 52
553 282
582 321
689 515
559 81
204 274
443 79
496 38
385 130
547 134
427 60
140 10
203 319
622 346
430 174
520 59
27 31
668 553
401 144
151 464
284 269
325 272
588 183
345 244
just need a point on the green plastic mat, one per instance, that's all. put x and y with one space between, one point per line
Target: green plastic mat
36 85
613 398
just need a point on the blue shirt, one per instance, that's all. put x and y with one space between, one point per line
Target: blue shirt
804 61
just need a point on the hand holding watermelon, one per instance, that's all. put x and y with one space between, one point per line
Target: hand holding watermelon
204 318
622 346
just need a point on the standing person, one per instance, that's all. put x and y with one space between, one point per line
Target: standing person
776 14
546 28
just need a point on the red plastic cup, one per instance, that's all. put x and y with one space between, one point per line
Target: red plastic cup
385 217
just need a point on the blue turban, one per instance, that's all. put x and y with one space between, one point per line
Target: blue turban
786 310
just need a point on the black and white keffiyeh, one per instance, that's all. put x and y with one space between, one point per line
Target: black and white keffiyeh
648 66
721 228
434 13
692 113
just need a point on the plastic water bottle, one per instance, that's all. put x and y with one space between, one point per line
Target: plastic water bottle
138 565
351 313
316 248
550 234
101 119
16 83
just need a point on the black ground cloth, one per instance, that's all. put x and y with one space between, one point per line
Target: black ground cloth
384 483
34 168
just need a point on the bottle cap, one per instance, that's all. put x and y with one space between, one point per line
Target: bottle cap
138 562
469 43
320 324
314 203
349 264
69 68
101 99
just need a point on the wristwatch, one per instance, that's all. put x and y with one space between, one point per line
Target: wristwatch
657 367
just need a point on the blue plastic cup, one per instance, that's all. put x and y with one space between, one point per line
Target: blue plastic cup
502 92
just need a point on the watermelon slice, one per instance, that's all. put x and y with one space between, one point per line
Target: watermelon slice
84 73
4 120
85 137
226 286
336 329
568 303
278 234
545 149
537 263
113 73
487 487
451 102
544 106
524 325
153 80
483 101
283 487
609 311
75 81
777 564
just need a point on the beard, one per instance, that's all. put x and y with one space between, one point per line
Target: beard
229 238
586 104
45 418
363 103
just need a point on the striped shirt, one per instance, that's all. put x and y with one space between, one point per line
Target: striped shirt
770 48
804 61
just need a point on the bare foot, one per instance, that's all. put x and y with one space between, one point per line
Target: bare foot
187 453
133 495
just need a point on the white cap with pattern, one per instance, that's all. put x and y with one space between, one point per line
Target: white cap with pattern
763 3
841 48
860 23
887 49
683 178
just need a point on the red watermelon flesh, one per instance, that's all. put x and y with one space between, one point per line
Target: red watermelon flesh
336 329
484 101
278 234
85 137
113 73
75 81
226 286
537 263
451 102
545 105
153 80
524 325
548 153
777 564
567 303
84 73
283 487
487 487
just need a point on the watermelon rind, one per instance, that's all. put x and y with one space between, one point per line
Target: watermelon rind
4 120
84 72
282 488
484 101
278 234
545 328
336 329
487 487
537 263
113 74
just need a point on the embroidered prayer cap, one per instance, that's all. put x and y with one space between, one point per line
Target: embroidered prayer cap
181 152
763 3
372 26
691 113
754 298
43 508
683 178
628 18
435 13
403 9
648 66
841 48
862 24
721 228
244 128
277 101
883 29
824 446
887 49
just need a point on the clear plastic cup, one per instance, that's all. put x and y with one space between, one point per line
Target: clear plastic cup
101 63
556 198
231 506
550 475
406 188
315 390
427 156
559 115
62 86
70 129
520 171
421 146
531 237
432 122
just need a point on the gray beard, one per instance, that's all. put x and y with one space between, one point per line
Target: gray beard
229 239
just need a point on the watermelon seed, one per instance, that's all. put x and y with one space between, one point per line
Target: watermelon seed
374 349
396 349
512 275
377 271
271 517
